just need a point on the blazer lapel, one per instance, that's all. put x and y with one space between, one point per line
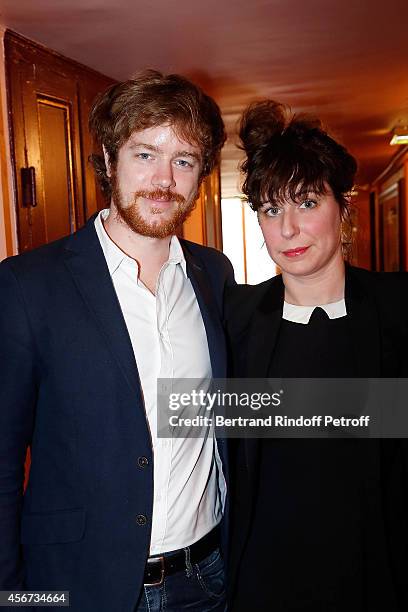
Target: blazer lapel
364 322
264 330
365 327
218 354
210 314
87 264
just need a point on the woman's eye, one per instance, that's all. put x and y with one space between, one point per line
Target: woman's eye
308 204
273 211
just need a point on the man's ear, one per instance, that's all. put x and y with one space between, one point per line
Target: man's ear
107 161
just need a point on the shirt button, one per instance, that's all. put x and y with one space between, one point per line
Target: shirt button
143 462
141 519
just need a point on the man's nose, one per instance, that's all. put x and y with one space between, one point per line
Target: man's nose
163 176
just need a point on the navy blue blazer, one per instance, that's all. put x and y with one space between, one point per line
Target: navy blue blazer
70 390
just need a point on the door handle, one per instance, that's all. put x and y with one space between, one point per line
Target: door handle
28 187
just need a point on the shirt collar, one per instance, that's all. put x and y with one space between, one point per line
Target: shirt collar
302 314
115 256
176 255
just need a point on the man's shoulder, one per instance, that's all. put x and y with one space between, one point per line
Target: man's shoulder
201 251
241 293
214 261
47 256
38 258
242 301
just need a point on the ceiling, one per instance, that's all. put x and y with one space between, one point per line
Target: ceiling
346 61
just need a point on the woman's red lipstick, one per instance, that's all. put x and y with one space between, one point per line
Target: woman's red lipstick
295 252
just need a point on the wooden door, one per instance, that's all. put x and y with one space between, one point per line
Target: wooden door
50 203
55 189
204 223
391 225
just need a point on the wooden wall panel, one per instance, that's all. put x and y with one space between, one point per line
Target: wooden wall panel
204 224
57 175
361 250
390 210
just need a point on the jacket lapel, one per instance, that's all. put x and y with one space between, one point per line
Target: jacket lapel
262 336
218 355
209 312
363 317
264 330
86 262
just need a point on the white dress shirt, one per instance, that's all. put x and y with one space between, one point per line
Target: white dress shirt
169 341
302 314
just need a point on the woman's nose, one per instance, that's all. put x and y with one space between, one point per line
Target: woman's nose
289 223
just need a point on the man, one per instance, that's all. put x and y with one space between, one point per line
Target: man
123 520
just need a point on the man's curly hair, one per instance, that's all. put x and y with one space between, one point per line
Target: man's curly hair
148 100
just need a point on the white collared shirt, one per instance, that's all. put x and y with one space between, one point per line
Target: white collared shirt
169 341
302 314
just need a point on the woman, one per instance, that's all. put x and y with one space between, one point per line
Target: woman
317 525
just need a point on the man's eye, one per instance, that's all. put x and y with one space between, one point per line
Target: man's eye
144 155
183 163
308 204
273 211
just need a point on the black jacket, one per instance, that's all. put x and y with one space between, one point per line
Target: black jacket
336 532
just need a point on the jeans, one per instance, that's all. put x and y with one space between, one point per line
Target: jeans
198 588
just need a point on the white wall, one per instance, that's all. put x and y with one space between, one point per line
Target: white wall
243 243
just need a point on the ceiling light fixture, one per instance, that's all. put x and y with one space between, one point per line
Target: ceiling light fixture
399 135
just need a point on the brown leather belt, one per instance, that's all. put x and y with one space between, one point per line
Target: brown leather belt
160 566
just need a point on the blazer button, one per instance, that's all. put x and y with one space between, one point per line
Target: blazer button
141 519
143 462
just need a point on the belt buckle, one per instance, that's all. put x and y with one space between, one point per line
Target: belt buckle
154 560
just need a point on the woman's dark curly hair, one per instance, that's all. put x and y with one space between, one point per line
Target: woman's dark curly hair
288 153
148 100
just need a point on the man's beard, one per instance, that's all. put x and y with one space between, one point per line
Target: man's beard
131 215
